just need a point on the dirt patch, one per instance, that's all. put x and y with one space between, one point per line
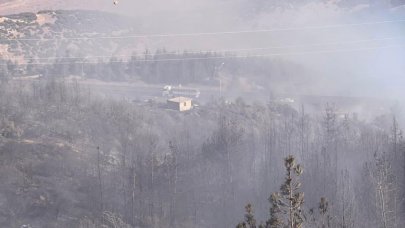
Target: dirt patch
45 18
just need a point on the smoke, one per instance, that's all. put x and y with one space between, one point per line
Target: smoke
372 68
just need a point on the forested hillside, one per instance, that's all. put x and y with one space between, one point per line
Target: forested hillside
70 158
202 114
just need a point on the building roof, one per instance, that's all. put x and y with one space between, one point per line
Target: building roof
179 99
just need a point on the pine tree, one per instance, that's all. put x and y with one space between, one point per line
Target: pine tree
289 201
250 221
322 219
285 211
276 220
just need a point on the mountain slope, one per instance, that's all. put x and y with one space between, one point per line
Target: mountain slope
49 33
17 6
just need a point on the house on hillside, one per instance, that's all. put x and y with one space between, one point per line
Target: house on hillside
180 103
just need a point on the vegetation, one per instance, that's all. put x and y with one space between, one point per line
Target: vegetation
21 34
28 50
152 171
71 159
286 204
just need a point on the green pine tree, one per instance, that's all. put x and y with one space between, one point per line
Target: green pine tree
286 205
285 211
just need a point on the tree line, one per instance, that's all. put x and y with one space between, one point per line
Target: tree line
160 66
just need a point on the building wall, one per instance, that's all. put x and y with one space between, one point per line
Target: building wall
180 106
185 106
173 105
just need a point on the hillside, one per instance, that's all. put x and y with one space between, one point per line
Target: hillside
18 6
157 167
21 34
49 159
62 40
294 111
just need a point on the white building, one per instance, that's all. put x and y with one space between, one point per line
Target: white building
180 103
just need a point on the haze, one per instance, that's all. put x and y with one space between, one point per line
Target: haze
202 113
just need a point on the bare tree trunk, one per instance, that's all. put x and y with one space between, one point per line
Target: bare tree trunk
99 178
133 188
290 201
302 130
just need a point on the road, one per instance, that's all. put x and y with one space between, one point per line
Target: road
139 91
